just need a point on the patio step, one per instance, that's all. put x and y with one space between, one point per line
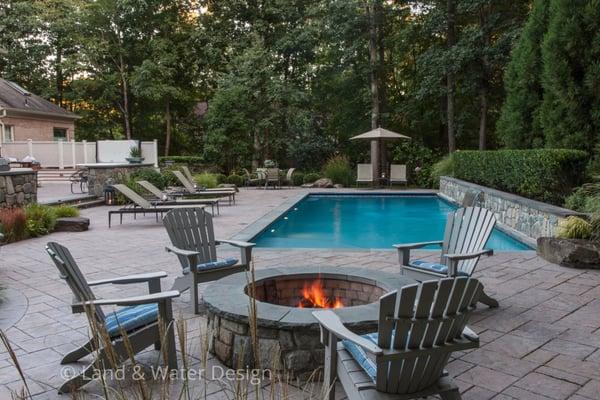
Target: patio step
54 175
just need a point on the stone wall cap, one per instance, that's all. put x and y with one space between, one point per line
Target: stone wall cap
535 204
18 171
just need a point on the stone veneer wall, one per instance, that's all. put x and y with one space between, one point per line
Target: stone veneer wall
528 217
18 187
99 174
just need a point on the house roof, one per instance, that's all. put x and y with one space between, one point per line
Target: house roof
14 98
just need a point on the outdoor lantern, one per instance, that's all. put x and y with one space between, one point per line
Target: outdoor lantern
109 195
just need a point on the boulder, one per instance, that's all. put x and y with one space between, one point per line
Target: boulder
323 183
72 224
575 253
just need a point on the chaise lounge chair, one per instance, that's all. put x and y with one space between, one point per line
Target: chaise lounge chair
398 174
364 173
165 198
145 321
193 238
467 231
419 328
142 206
192 190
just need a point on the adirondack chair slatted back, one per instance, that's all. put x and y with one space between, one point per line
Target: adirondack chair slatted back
467 231
192 229
272 174
187 173
189 186
133 196
70 272
364 172
426 319
151 188
398 172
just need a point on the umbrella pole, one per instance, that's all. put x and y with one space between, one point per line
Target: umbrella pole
375 161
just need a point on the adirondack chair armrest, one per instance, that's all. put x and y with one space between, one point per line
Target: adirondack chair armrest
192 256
133 301
245 248
405 248
123 280
331 323
470 334
467 256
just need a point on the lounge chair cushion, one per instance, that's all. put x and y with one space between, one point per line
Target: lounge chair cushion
228 262
427 266
361 356
129 318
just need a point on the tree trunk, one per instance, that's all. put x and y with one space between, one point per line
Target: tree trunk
483 109
450 41
168 123
373 67
483 88
125 94
59 76
256 152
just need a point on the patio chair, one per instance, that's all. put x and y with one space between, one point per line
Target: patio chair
272 177
249 180
140 205
79 178
419 328
192 190
364 173
398 174
289 177
192 235
467 231
164 197
140 320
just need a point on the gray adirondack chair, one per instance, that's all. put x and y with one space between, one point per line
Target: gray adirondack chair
419 328
139 319
192 235
467 231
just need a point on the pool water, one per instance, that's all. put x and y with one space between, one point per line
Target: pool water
367 222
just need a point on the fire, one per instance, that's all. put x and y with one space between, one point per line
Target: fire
313 296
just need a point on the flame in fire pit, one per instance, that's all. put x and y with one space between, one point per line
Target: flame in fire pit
313 296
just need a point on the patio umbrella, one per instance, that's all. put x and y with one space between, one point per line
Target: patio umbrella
376 136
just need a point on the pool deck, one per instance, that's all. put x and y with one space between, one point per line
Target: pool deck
542 343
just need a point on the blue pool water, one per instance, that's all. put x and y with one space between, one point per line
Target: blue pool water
366 221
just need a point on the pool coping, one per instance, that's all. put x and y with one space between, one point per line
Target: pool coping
257 227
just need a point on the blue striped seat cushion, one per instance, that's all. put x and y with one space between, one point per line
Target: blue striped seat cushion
361 356
228 262
129 318
427 266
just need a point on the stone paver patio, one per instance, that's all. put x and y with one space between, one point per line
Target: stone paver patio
542 343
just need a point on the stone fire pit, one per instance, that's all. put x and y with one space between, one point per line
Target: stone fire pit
283 328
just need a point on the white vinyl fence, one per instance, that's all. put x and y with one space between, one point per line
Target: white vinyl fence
63 154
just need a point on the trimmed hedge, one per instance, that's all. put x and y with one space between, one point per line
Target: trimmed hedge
544 174
192 161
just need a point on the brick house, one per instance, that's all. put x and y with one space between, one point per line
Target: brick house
24 115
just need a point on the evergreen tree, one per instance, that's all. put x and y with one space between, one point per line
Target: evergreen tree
519 125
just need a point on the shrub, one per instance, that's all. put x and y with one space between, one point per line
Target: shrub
13 223
543 174
338 169
65 211
311 177
40 219
170 178
193 162
574 228
221 178
152 176
235 180
206 180
297 178
585 198
595 227
419 161
444 167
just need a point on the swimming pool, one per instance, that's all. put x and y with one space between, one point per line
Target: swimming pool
366 222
